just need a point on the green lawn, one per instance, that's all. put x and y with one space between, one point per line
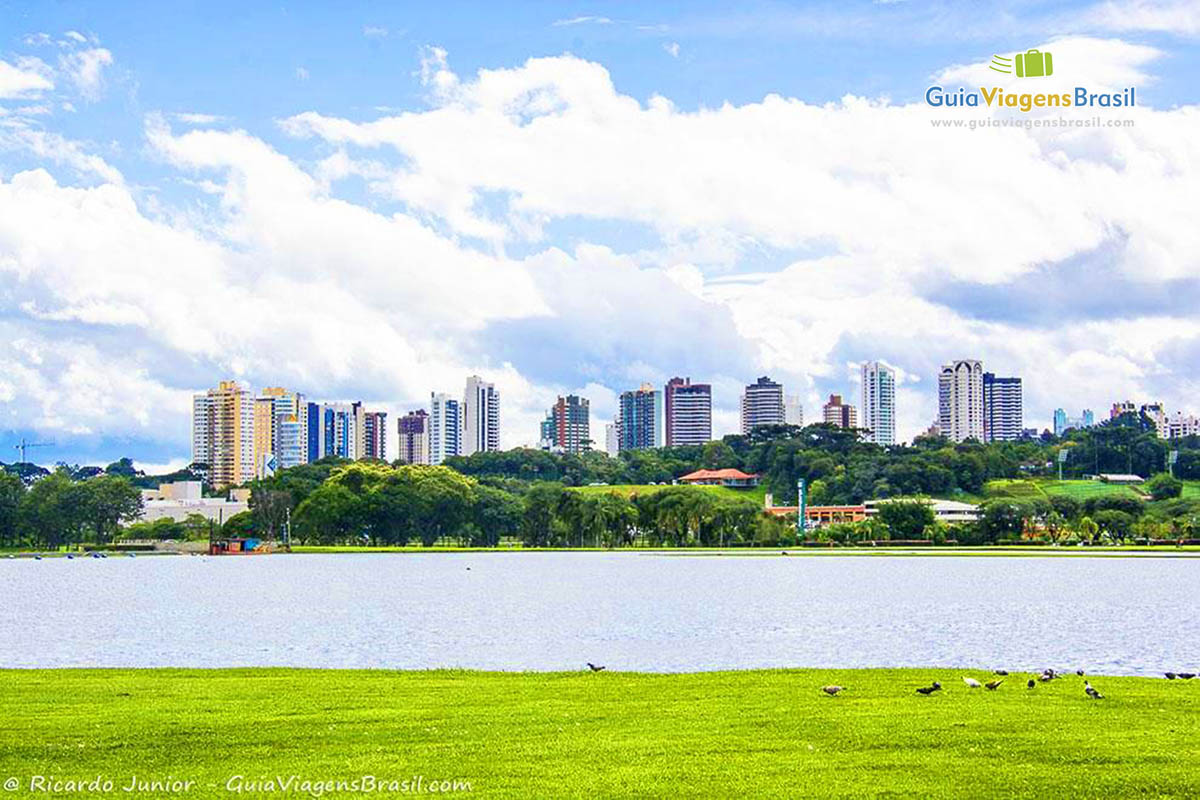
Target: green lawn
612 734
1080 490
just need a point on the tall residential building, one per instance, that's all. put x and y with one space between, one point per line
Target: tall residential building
223 433
1003 413
612 437
687 408
334 429
1063 423
1181 425
839 414
280 431
879 403
566 428
793 410
762 404
1157 415
641 419
373 435
1123 407
445 427
414 437
481 417
960 400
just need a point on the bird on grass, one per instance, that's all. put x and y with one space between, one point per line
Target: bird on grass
1187 676
1091 691
1079 672
1030 683
595 667
994 685
928 690
832 690
1170 675
1046 677
1001 672
972 683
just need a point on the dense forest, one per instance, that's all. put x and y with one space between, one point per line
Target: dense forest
534 497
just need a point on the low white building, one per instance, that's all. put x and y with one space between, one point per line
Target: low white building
179 500
948 511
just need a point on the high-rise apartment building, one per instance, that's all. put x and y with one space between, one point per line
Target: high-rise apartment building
334 430
566 428
641 419
481 417
280 431
687 408
1157 415
612 437
223 433
879 403
1063 423
793 410
414 437
762 404
445 427
839 414
1123 407
1181 425
960 400
373 437
1003 413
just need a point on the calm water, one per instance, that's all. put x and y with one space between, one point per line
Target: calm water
548 611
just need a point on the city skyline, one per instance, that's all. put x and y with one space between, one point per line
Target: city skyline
359 204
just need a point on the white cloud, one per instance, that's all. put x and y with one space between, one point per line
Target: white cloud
23 81
582 20
374 32
302 74
85 69
1169 16
672 49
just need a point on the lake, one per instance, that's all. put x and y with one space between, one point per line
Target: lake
630 611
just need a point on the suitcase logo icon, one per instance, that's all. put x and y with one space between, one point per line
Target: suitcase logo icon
1030 64
1034 64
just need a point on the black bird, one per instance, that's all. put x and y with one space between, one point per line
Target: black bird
1001 672
994 685
832 690
1187 676
1091 691
1079 672
1170 675
928 690
595 667
1030 684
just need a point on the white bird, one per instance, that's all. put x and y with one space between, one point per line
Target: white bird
971 682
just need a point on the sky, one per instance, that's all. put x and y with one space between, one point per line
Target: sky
374 201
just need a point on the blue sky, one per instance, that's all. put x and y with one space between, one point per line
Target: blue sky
388 197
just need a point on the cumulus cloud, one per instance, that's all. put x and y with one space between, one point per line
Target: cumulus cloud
1099 64
20 81
777 236
1169 16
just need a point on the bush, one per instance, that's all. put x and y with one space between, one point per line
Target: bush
1164 487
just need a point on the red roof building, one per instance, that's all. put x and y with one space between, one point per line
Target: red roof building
733 478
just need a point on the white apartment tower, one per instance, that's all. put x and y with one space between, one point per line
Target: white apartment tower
960 400
445 427
879 403
481 417
762 404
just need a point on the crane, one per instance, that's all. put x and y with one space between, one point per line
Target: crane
23 445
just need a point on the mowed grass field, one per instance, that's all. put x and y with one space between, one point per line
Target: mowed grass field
609 734
1080 490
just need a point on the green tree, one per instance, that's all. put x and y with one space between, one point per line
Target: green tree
106 501
906 519
11 492
49 511
497 515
